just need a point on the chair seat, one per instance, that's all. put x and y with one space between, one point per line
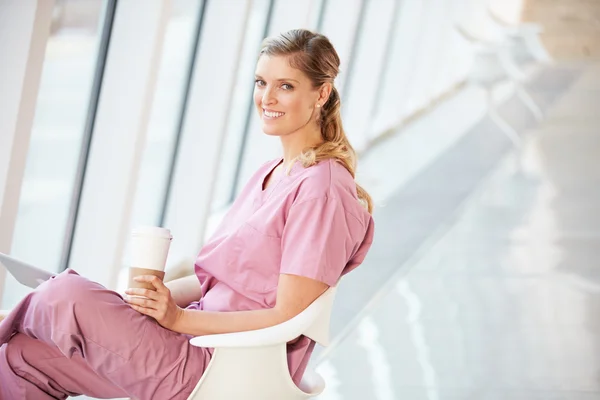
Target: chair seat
253 365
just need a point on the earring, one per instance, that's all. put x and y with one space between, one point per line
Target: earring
318 105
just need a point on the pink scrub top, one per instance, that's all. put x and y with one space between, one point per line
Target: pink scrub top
308 223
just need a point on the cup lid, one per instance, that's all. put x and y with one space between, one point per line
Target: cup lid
155 231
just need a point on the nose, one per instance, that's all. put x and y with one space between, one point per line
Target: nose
268 97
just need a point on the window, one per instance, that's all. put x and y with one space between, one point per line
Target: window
362 82
241 104
163 127
57 135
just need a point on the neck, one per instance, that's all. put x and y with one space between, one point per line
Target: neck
294 143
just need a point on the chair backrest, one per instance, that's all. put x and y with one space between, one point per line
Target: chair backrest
318 330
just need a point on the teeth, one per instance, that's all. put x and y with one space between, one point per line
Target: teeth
272 114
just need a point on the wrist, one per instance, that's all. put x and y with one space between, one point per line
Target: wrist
189 322
179 321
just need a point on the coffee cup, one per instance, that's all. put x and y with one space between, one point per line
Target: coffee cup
149 250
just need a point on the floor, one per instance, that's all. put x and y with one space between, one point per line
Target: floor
484 281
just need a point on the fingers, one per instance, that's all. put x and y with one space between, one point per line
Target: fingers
153 303
155 309
151 294
153 280
142 302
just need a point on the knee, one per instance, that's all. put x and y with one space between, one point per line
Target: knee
66 287
23 369
14 351
9 381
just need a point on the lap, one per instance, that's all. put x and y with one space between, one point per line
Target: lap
84 319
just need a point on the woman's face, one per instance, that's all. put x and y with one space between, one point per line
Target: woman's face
284 96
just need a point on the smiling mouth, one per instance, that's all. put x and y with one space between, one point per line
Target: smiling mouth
272 114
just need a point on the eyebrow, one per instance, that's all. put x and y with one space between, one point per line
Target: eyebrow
279 80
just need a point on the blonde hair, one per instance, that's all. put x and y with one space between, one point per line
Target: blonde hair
313 54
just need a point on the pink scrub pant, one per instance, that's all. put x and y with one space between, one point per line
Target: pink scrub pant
72 336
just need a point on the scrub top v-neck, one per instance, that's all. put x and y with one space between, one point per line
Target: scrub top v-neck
273 179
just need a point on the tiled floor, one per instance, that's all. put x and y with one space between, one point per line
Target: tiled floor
501 298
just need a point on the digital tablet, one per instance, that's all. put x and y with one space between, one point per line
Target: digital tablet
25 273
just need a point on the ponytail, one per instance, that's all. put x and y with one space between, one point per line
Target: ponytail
335 145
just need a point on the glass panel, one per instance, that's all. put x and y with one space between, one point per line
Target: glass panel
339 24
163 126
416 31
397 72
171 84
442 55
429 46
317 13
241 101
56 137
362 81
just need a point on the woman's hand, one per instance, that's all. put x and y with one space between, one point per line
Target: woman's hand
158 304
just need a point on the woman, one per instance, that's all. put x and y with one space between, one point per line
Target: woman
299 224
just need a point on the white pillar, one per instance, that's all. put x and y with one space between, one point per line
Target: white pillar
24 30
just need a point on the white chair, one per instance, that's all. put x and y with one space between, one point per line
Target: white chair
493 62
253 365
524 38
490 65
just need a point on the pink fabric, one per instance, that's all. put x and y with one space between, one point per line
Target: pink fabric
72 336
309 223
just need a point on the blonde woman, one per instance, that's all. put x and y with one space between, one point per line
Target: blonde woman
300 223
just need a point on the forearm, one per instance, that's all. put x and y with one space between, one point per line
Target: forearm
185 290
198 323
294 294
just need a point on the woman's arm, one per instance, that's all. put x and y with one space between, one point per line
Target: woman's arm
185 290
294 294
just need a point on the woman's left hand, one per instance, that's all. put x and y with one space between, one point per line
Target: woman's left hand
157 304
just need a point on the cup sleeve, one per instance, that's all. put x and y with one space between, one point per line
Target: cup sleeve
318 239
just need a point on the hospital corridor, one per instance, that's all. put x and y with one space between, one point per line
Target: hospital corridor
476 125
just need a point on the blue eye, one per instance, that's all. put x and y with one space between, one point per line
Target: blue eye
259 82
287 86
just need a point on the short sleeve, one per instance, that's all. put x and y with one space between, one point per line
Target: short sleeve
319 237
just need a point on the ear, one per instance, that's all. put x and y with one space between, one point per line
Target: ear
324 92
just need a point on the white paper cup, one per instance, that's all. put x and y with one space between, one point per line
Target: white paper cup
149 250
